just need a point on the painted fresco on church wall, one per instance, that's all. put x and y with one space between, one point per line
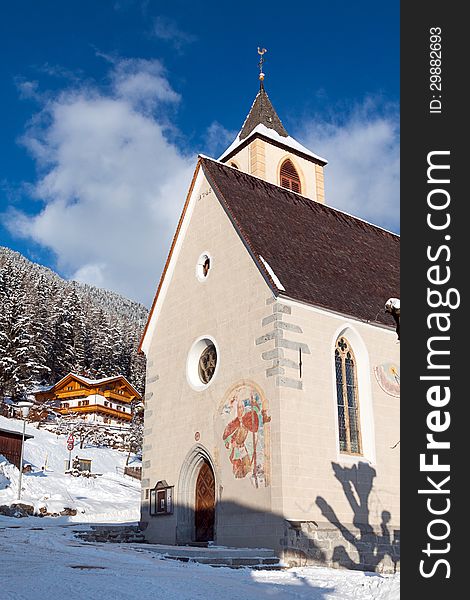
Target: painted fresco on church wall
246 432
388 377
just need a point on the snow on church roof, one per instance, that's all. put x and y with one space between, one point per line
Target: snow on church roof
288 141
273 275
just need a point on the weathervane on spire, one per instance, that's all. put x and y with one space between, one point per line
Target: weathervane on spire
261 51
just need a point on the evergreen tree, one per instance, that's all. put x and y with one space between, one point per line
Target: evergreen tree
49 327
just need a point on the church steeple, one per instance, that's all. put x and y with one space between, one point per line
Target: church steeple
265 149
262 113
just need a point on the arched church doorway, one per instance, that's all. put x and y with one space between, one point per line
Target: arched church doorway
204 513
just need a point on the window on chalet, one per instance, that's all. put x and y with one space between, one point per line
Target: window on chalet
347 398
289 177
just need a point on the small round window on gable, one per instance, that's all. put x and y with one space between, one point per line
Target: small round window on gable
202 363
203 267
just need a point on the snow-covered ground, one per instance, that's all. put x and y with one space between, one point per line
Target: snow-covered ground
41 558
107 497
50 563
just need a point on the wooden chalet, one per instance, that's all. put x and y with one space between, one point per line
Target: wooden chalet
107 400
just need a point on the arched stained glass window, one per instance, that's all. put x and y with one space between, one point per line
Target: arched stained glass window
347 398
289 177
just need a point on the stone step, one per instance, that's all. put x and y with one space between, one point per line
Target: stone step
233 563
126 534
217 556
212 551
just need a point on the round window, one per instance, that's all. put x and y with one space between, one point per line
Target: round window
202 363
203 266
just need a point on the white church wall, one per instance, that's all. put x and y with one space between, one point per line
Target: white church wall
227 307
303 478
310 452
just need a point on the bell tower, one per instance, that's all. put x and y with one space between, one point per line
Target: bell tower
264 148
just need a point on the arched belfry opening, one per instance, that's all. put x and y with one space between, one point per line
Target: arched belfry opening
196 499
289 177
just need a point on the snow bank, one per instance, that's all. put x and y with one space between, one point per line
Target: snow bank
390 589
107 497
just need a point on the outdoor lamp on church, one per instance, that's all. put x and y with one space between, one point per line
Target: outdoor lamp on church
24 407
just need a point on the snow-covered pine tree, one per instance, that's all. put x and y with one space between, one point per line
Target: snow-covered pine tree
49 327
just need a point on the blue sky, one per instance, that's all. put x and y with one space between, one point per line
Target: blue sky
105 106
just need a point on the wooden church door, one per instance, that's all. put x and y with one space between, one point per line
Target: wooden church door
205 504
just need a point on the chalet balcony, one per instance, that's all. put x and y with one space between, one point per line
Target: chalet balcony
96 408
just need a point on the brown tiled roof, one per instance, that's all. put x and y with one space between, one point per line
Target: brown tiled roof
262 112
320 255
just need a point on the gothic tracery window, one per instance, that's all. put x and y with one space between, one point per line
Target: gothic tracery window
207 363
289 177
347 398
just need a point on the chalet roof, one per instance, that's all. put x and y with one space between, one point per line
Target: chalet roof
308 251
263 121
93 382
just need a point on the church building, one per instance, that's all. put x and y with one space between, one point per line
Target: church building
272 390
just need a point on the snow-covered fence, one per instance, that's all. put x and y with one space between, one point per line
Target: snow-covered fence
134 472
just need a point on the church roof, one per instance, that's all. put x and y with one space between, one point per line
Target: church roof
263 121
308 251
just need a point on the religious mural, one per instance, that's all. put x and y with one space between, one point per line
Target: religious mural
388 377
246 432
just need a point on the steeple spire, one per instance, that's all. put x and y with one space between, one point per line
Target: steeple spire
265 149
262 112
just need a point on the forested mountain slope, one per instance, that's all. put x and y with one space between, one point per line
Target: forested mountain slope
49 327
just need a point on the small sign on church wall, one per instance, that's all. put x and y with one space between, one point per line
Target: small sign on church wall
161 499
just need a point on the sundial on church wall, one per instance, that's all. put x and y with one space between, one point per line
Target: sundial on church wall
388 377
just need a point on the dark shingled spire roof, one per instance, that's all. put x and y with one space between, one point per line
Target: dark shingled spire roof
262 112
320 255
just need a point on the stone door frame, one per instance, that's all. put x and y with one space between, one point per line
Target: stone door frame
186 495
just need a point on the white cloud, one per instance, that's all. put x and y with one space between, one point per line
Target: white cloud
28 90
362 176
142 82
217 139
167 30
111 184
